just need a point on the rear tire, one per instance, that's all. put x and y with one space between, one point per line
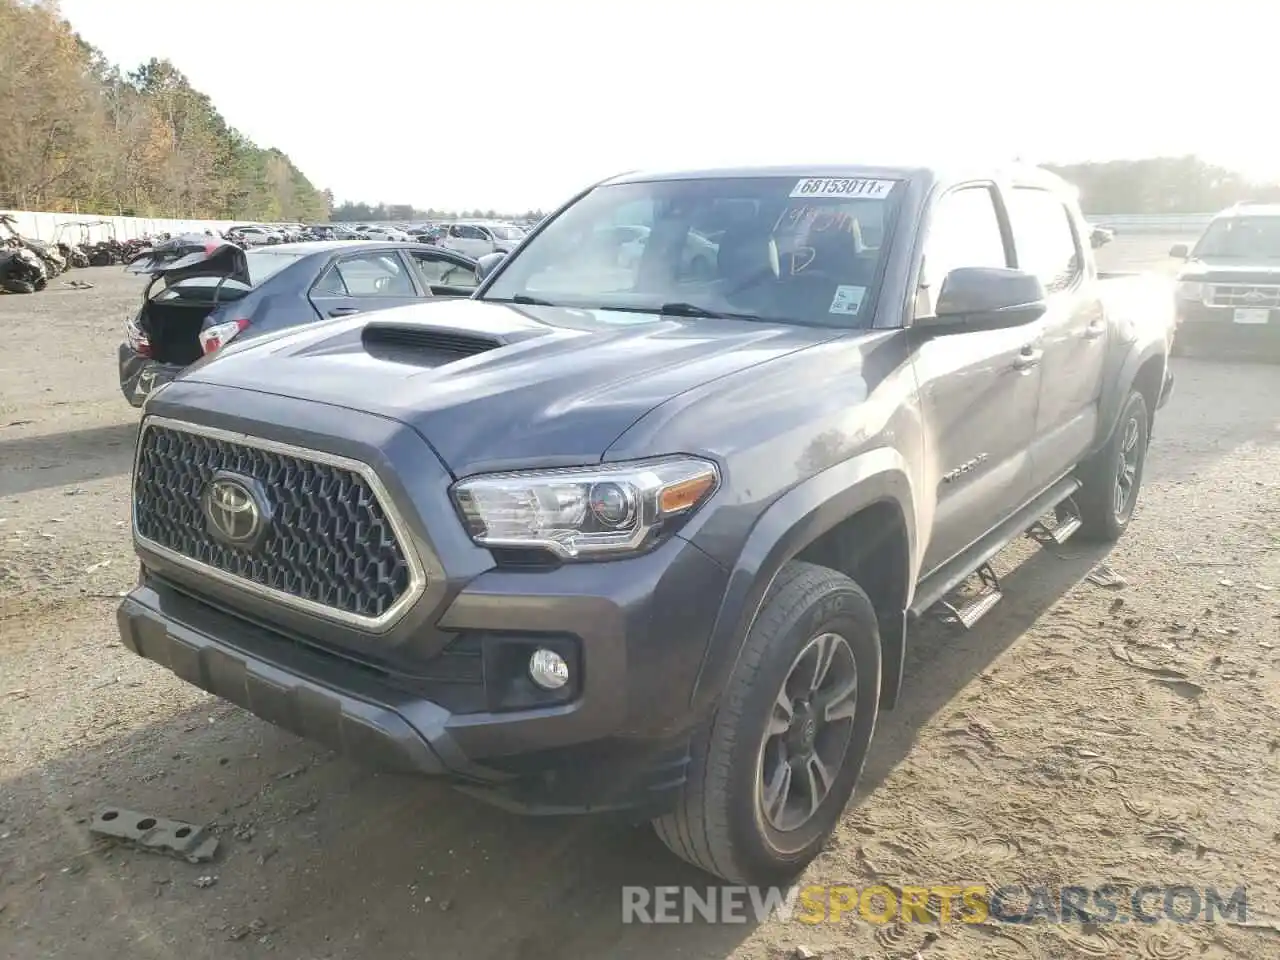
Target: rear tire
1112 477
769 782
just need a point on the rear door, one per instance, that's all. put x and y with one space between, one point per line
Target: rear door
442 273
978 390
358 282
1049 241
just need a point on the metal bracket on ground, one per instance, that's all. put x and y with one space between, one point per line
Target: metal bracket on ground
187 841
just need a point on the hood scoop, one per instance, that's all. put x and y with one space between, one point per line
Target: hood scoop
404 340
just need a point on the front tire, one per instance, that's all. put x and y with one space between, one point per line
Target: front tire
1112 477
772 772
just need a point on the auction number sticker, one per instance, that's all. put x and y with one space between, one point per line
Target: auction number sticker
843 187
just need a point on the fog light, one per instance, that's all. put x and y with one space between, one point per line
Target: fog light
548 670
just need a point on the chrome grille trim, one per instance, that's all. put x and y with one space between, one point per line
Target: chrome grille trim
417 574
1263 296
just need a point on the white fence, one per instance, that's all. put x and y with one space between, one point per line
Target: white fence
49 226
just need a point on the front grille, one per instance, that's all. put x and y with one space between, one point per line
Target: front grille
1263 296
331 545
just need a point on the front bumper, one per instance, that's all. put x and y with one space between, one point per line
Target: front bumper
1213 332
139 375
621 743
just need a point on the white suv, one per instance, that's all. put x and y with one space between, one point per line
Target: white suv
475 238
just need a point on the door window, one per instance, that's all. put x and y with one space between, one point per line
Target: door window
436 271
368 275
965 232
1044 238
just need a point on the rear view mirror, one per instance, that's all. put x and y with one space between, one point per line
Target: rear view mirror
1180 250
486 264
986 298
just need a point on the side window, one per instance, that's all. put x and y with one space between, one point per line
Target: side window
1044 238
439 272
330 284
470 233
375 275
964 232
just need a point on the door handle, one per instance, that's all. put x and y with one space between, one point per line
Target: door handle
1095 330
343 311
1027 359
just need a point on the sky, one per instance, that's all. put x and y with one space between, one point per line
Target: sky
516 104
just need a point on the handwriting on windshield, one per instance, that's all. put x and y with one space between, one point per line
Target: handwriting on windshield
813 219
800 258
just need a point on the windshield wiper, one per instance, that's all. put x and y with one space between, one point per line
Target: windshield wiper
523 300
683 308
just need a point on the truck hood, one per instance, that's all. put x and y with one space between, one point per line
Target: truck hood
1231 270
493 386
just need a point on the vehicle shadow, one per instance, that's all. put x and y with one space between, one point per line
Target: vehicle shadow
49 460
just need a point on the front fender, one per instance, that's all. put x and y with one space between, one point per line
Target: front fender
1116 387
791 523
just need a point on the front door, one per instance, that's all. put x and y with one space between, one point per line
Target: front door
1048 241
978 390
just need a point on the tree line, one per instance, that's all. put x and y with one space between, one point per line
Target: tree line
78 135
1161 185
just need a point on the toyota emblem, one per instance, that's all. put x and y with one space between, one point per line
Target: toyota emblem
235 510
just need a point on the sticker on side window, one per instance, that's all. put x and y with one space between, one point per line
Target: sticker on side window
843 187
848 299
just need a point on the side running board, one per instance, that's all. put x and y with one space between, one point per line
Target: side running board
1066 521
934 589
969 611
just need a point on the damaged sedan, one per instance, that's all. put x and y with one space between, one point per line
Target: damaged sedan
204 292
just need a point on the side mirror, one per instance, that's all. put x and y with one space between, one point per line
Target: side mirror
487 264
1100 237
986 298
1180 250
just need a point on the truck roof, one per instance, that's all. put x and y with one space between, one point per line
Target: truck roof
1015 172
1248 208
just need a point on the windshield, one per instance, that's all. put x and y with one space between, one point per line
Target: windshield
765 248
264 263
1246 238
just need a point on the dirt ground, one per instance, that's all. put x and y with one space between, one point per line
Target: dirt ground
1079 735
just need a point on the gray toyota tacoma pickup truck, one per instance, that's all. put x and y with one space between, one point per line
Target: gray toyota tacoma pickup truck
618 534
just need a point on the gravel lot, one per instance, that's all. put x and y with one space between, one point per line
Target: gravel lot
1079 735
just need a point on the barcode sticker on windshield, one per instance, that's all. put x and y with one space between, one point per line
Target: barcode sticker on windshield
848 299
843 187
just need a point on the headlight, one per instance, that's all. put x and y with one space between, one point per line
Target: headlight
585 512
1190 290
